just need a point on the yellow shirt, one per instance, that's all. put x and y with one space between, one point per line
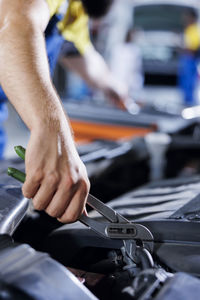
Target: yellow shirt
54 5
74 25
192 37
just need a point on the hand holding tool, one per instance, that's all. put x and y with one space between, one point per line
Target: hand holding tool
115 227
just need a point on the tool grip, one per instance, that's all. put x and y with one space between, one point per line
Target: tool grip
21 151
20 176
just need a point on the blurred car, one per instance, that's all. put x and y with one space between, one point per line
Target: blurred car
159 28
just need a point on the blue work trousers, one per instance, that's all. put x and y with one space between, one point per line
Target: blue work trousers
188 77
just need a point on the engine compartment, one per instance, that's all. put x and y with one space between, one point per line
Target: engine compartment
102 269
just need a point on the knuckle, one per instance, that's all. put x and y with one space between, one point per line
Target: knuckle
53 213
69 218
70 182
53 178
26 193
36 176
85 184
38 205
85 170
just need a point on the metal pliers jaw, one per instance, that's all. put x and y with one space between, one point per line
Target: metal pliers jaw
133 235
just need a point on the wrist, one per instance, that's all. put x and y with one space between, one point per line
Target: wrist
49 116
57 127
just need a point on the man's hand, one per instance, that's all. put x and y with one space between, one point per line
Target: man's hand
56 178
117 93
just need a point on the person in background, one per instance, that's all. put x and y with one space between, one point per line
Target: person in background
88 63
189 57
126 64
56 178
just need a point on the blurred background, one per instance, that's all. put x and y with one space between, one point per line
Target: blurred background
142 42
152 47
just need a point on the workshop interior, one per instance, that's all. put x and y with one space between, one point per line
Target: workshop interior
140 238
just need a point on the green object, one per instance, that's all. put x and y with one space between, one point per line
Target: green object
21 176
20 151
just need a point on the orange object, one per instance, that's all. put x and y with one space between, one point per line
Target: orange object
88 131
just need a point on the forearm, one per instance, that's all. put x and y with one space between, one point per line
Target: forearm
91 67
56 179
98 71
24 74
